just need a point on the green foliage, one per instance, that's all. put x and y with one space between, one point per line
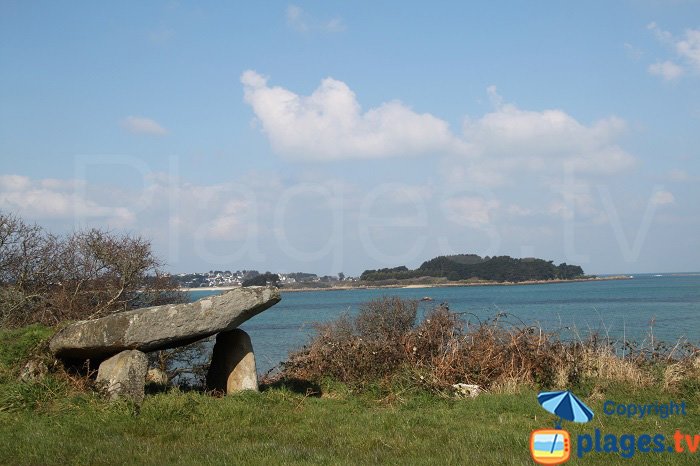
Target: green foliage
302 276
266 278
16 345
471 266
400 272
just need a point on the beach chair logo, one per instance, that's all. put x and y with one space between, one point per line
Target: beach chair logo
553 446
550 446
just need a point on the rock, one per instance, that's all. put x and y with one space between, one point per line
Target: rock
34 369
232 366
162 327
157 376
123 376
467 390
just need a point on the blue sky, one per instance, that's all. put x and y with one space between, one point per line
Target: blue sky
339 136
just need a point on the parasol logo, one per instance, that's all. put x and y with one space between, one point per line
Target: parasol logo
550 446
553 446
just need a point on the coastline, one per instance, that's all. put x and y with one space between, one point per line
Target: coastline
210 288
458 284
423 285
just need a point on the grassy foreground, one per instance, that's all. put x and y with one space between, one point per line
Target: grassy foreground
51 422
277 427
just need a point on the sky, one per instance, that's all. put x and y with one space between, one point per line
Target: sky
333 137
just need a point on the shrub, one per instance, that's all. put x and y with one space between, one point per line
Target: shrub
360 350
386 319
384 345
47 279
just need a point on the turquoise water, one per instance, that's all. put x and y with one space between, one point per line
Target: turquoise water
670 305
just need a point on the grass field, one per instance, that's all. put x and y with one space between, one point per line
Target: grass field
50 422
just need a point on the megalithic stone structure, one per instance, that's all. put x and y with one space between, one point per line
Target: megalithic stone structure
161 327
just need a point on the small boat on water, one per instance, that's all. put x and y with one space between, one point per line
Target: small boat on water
426 298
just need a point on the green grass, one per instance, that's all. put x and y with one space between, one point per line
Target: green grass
48 422
16 344
278 427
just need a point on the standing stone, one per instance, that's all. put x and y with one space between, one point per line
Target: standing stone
124 376
232 366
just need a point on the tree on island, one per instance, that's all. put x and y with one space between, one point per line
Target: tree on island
471 266
264 279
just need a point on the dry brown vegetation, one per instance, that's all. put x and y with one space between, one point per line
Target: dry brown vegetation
46 278
384 344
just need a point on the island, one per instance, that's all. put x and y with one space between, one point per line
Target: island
473 267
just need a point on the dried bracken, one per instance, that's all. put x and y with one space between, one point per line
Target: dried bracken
384 343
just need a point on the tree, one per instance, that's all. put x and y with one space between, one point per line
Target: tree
266 278
87 274
341 276
25 274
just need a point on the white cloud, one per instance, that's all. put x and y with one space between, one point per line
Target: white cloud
632 51
329 124
678 175
56 199
219 212
229 223
334 25
518 211
560 209
470 211
667 70
295 18
14 182
407 193
143 125
263 220
660 34
576 200
523 133
660 198
687 49
301 21
509 143
56 184
607 160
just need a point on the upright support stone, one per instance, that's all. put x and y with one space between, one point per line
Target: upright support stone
124 376
232 366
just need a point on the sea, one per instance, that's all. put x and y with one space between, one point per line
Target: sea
645 308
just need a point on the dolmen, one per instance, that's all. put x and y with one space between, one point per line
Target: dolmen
120 341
